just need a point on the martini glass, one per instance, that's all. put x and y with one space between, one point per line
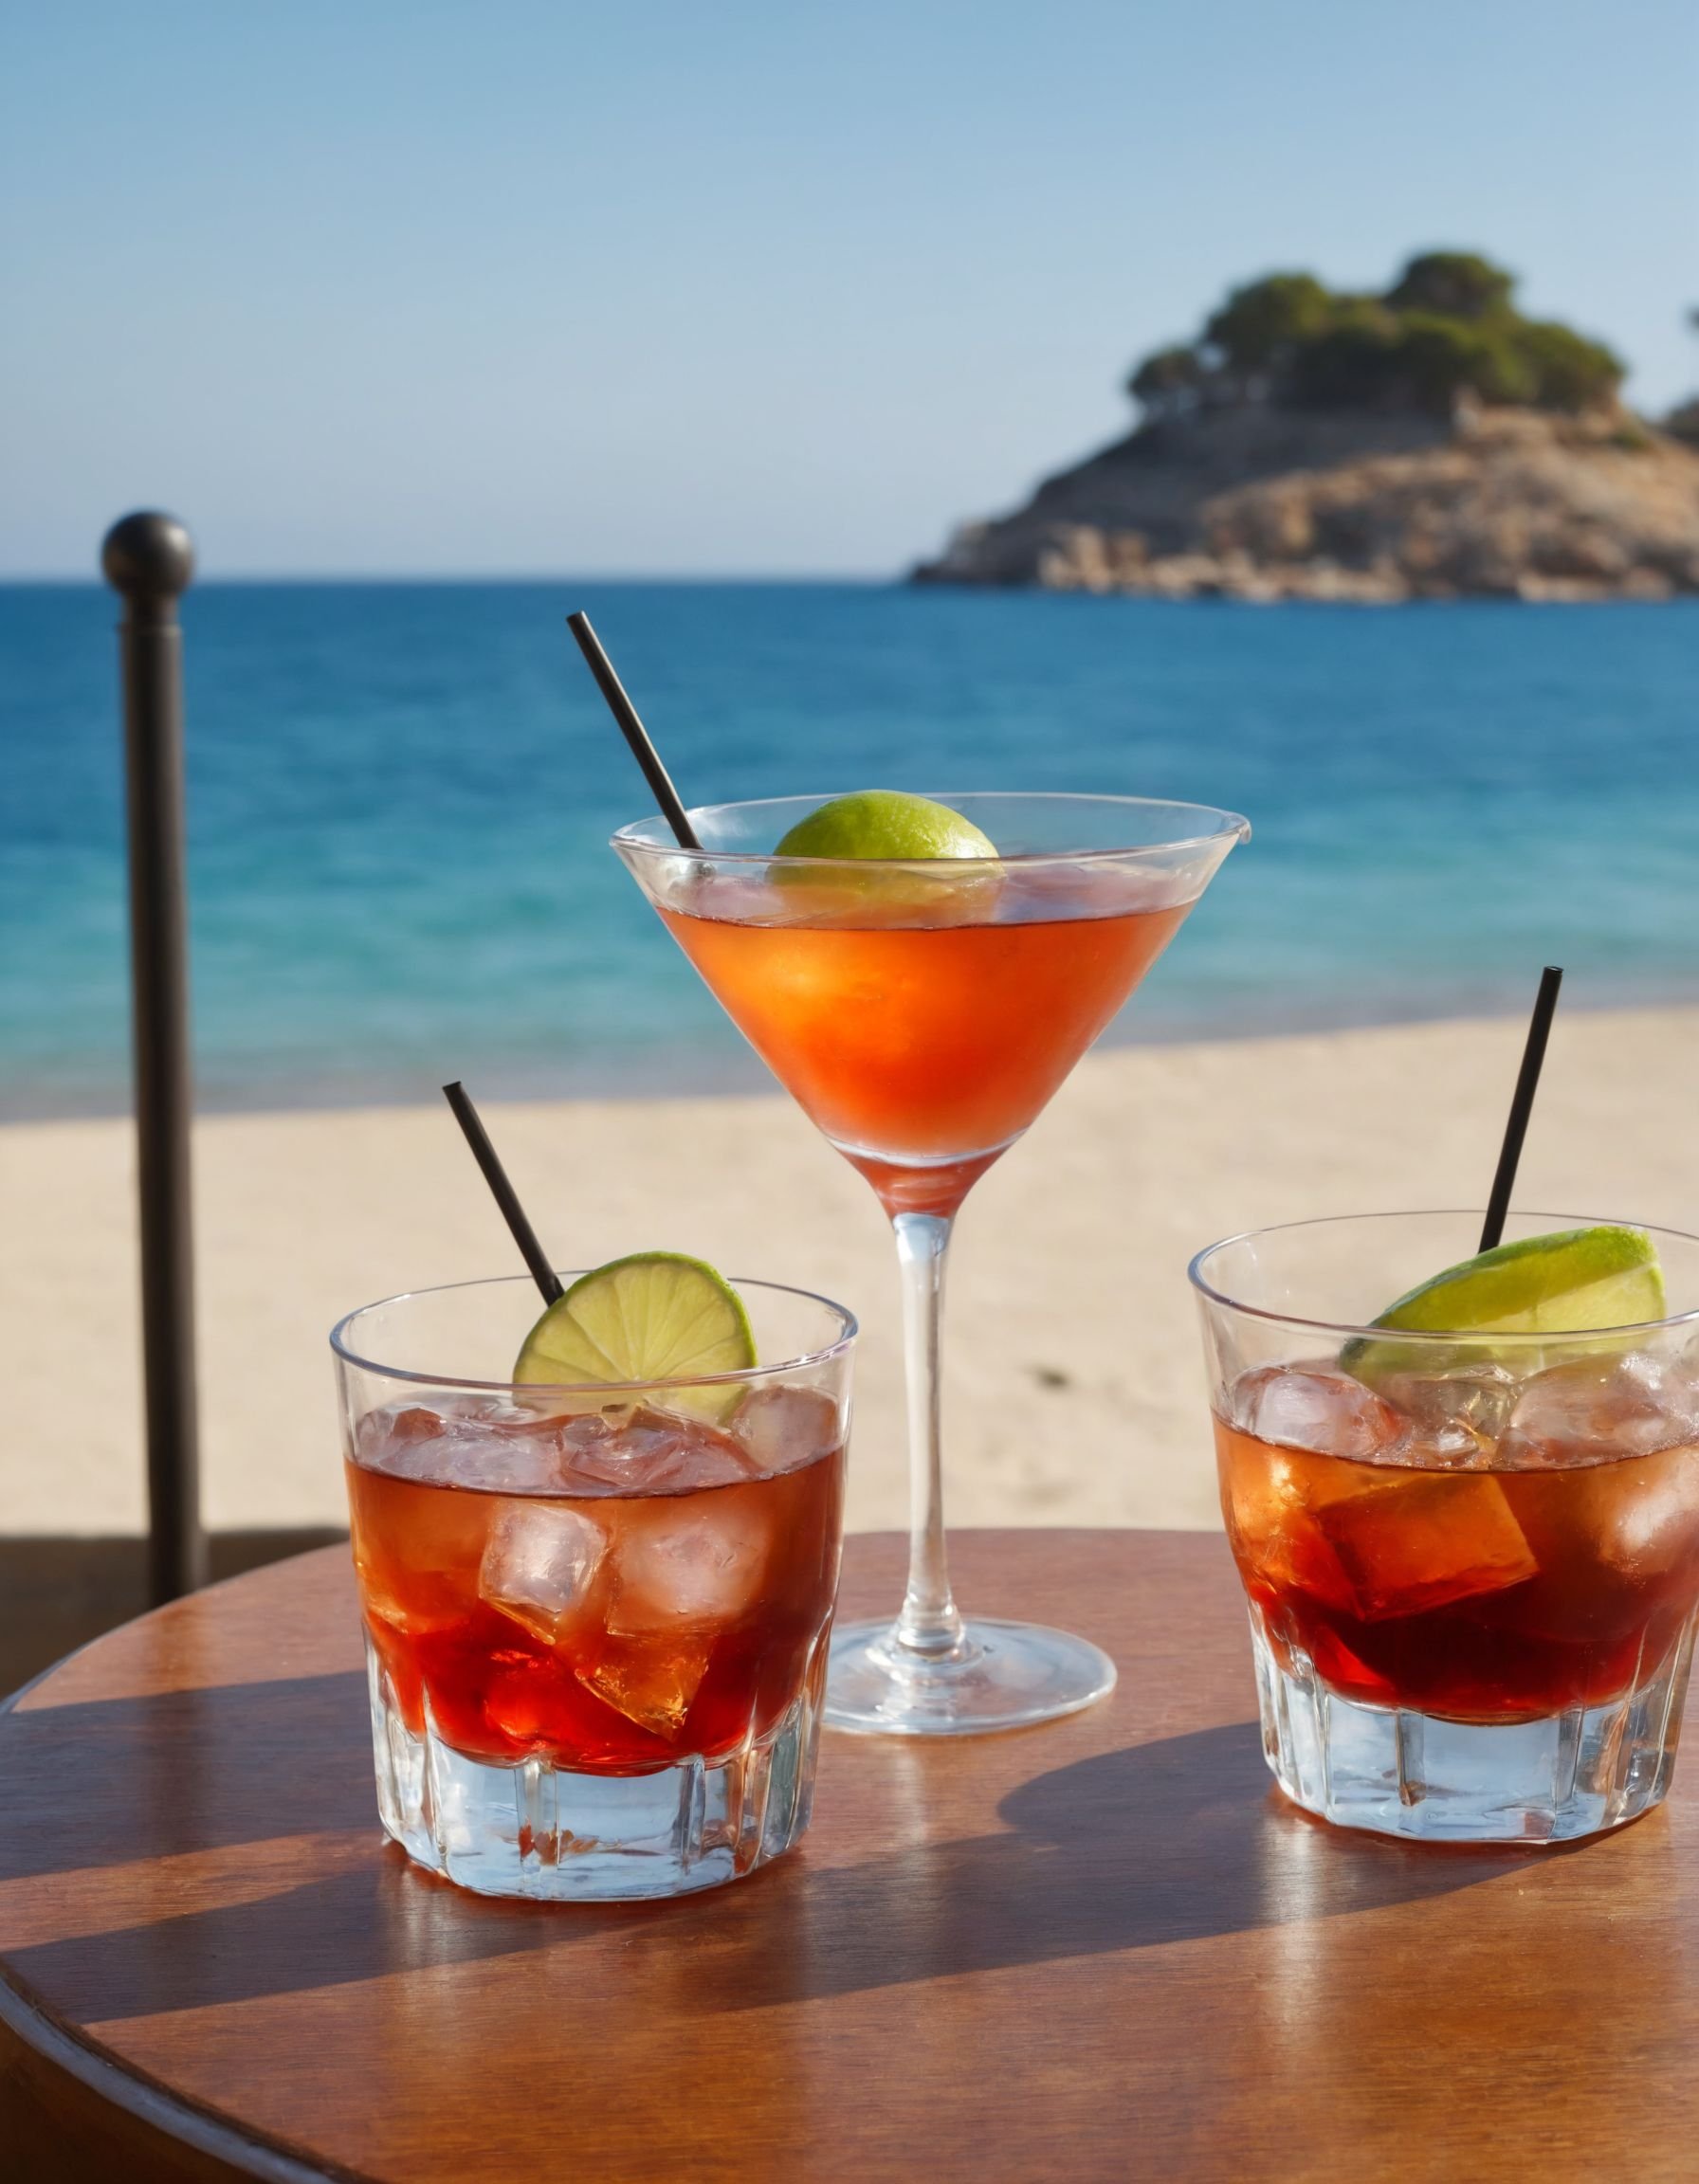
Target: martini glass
922 1013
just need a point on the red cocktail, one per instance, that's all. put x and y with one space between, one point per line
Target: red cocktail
596 1617
649 1588
1470 1554
1543 1575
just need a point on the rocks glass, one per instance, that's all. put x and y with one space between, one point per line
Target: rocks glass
1472 1560
596 1617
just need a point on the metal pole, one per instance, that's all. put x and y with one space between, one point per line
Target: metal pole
149 559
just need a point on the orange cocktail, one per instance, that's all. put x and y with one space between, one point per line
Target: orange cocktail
923 1005
919 1038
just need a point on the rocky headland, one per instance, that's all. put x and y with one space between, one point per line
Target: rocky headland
1364 450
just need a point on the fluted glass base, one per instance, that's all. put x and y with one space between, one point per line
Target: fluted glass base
1400 1772
1000 1676
547 1831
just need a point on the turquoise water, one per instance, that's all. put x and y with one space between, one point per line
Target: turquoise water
400 796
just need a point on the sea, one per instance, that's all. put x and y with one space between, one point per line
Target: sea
400 795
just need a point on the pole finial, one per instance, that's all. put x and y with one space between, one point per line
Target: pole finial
149 556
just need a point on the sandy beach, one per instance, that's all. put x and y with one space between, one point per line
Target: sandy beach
1073 1386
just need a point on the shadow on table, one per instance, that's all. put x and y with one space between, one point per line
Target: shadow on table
297 1763
114 1779
1175 1840
1168 1841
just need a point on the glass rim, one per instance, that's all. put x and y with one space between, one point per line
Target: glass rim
1435 1337
1231 824
849 1330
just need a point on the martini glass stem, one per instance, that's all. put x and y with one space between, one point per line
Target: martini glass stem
929 1623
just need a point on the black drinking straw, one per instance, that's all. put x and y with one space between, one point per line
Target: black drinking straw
1521 1105
635 733
506 1197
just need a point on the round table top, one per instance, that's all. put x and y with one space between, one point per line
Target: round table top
1102 1948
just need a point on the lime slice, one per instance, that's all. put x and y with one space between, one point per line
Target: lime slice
885 823
655 1316
1566 1283
1569 1283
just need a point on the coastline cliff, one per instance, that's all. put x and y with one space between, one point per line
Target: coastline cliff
1364 448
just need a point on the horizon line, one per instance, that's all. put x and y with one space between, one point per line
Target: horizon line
95 581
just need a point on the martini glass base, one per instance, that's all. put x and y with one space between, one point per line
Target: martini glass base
999 1676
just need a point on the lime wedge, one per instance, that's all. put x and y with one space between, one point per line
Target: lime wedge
1565 1283
655 1316
1569 1283
885 823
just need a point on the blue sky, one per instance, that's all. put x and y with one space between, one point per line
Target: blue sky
766 288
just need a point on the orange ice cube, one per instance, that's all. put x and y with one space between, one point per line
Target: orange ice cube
1411 1541
1263 1501
649 1683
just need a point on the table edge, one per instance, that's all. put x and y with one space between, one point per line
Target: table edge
177 2121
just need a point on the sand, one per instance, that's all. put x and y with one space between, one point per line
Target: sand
1073 1390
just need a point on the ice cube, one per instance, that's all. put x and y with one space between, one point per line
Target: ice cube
1593 1408
1683 1370
1636 1520
589 1455
1458 1416
1413 1540
785 1427
1316 1408
650 1682
1645 1512
650 1451
689 1561
1273 1531
406 1439
383 1436
542 1565
471 1440
510 1462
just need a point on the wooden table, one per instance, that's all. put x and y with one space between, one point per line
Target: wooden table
1102 1949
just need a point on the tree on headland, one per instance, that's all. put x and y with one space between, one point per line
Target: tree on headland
1448 327
1452 284
1168 381
1264 324
1570 372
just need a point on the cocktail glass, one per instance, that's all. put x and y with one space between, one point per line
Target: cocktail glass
596 1617
1473 1559
921 1013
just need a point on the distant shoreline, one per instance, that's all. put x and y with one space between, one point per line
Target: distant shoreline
897 581
875 580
